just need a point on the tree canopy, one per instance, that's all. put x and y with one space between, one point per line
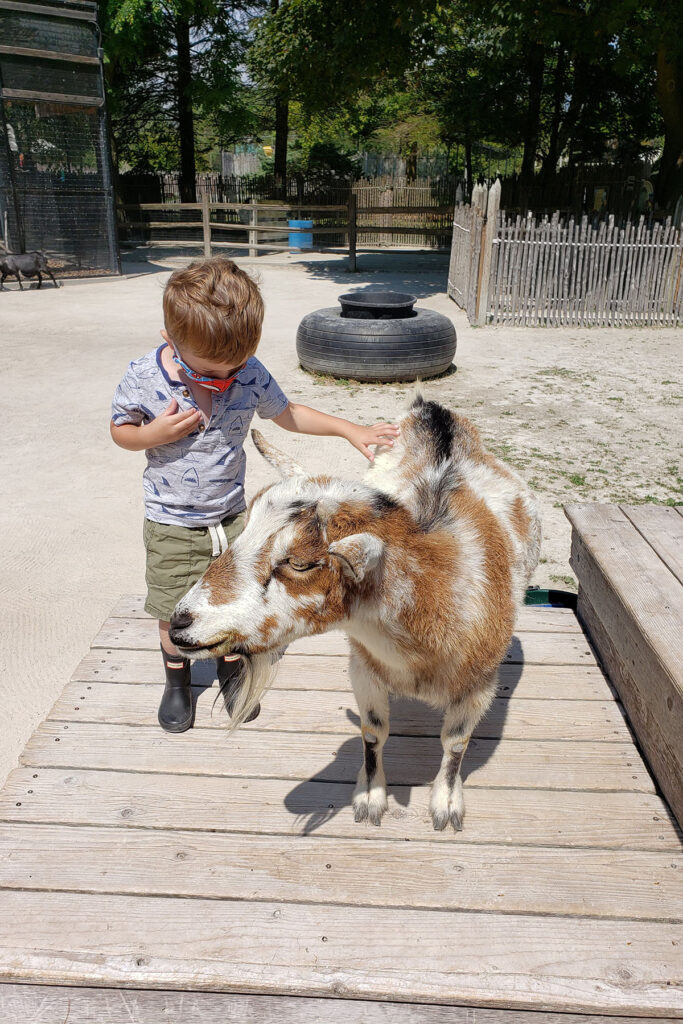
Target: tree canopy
568 80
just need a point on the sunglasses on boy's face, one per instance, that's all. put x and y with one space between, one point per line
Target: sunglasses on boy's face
210 383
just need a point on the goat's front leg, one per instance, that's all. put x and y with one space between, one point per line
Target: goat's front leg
447 802
19 280
370 794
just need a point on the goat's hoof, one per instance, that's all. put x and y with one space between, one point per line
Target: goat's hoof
439 820
375 815
456 821
360 812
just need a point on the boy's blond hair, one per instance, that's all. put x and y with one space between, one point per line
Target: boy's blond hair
215 310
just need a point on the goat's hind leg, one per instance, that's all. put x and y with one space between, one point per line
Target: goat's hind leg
370 794
447 802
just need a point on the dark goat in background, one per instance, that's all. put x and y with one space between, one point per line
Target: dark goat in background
24 264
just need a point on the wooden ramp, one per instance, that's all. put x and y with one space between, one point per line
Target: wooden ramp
209 878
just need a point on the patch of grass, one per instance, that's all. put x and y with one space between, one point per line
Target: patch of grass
615 399
568 581
559 371
577 479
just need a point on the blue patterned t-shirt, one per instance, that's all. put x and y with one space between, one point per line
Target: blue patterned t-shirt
199 479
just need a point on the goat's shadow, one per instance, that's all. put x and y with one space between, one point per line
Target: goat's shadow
412 753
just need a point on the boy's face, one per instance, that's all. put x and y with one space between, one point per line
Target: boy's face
211 368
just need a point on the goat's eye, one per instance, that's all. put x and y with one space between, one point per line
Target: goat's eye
298 566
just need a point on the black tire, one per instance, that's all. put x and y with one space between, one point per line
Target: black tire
376 350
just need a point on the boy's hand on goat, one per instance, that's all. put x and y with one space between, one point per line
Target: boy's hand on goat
379 434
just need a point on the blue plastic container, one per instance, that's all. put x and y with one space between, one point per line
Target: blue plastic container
300 239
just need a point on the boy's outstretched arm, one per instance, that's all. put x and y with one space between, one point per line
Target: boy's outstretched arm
304 420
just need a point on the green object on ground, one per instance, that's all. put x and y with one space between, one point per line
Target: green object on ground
550 598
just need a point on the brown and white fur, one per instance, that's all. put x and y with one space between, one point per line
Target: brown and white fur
424 566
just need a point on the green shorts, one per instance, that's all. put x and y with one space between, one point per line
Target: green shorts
176 558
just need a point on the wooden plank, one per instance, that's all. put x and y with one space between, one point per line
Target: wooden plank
196 224
283 228
531 618
52 97
326 672
408 760
539 648
662 757
548 962
47 1004
318 711
227 206
25 51
662 528
601 883
634 607
530 817
388 211
88 13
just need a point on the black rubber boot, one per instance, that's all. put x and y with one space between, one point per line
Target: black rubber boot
229 672
175 710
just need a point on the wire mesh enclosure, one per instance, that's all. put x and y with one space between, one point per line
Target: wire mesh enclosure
55 177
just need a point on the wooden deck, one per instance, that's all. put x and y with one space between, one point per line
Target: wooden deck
209 878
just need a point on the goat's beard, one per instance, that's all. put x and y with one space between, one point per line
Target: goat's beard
257 673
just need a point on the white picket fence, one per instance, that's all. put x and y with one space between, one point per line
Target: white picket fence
550 272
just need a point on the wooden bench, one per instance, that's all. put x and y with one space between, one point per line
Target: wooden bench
628 560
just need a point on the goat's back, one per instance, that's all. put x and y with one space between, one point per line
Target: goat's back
442 473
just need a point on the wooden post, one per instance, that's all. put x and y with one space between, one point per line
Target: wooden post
352 232
206 225
253 235
488 234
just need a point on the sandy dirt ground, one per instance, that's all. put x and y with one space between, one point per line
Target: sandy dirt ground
584 415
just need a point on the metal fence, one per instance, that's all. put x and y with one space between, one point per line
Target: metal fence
552 272
55 181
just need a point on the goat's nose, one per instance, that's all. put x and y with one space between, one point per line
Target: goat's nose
180 620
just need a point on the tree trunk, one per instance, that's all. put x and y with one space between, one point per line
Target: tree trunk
411 162
550 161
468 168
669 181
188 190
533 112
281 133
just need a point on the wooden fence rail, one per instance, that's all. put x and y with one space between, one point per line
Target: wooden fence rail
427 225
548 272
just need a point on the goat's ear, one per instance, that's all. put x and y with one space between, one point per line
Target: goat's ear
358 554
285 466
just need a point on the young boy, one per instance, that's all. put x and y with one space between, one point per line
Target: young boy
188 405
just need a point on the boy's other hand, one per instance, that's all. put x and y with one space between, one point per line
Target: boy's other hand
380 433
171 425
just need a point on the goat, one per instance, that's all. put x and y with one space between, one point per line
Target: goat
424 566
26 264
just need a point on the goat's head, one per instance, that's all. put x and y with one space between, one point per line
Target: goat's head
309 551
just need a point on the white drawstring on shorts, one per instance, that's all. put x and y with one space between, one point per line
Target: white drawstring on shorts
219 542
